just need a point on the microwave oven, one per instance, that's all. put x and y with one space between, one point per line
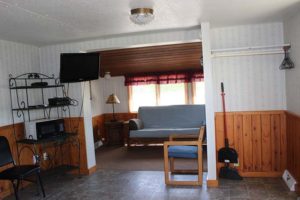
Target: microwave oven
43 129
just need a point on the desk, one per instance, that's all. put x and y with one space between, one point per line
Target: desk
50 152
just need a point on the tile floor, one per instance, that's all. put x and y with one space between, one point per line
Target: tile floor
149 185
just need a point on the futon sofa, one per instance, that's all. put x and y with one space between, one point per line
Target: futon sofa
154 124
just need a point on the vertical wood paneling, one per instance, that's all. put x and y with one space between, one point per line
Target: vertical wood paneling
230 129
283 144
259 138
257 142
266 143
238 137
293 145
98 123
247 143
275 138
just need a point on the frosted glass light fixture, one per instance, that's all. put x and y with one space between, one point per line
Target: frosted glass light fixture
141 16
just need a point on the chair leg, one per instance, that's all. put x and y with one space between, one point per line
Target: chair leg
16 188
40 183
200 166
166 164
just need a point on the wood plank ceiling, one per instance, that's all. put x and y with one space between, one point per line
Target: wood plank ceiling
153 59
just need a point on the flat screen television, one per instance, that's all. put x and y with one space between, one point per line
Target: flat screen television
77 67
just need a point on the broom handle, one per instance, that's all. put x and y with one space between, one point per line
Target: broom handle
224 114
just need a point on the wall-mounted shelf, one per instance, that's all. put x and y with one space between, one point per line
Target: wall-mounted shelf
35 87
39 107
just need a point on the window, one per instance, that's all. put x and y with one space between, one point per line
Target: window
199 92
152 95
141 95
172 94
165 89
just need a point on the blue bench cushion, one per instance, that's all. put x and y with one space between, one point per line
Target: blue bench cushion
161 133
175 116
183 151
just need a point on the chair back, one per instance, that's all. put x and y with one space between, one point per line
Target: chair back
201 134
5 153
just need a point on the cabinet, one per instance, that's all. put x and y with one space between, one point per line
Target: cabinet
29 95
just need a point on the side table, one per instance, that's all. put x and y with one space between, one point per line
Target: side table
114 132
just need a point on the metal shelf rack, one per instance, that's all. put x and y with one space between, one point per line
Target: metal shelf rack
27 106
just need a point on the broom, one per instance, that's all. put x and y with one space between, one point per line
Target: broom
226 154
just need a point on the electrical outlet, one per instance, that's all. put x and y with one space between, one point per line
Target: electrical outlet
35 159
45 156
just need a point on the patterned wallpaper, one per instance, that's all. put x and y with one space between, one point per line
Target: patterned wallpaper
49 60
292 35
15 59
251 82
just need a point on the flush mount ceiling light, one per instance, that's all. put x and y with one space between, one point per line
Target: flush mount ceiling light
141 16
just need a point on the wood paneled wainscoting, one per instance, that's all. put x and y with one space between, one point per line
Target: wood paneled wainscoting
98 123
26 156
259 138
293 146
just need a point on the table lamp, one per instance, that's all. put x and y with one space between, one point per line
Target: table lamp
113 99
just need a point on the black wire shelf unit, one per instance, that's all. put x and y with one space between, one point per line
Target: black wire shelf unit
29 94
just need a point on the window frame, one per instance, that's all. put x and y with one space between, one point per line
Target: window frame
157 93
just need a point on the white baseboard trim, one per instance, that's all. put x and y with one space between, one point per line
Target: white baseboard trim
289 180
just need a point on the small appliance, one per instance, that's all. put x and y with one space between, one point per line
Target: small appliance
43 129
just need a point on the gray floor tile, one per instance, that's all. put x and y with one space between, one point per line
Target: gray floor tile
149 185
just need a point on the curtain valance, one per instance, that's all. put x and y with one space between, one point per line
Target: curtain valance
164 78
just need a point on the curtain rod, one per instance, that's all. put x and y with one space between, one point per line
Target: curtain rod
251 48
249 51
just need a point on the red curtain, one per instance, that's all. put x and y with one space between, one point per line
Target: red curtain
165 78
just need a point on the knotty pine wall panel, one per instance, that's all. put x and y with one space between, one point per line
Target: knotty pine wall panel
98 123
259 138
293 145
26 156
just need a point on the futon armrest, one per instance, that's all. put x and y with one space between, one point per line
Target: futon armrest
135 124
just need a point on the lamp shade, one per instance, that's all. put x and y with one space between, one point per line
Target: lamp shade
112 99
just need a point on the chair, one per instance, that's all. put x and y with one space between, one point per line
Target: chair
189 149
17 173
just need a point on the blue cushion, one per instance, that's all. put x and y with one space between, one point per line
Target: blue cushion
175 116
183 151
161 133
